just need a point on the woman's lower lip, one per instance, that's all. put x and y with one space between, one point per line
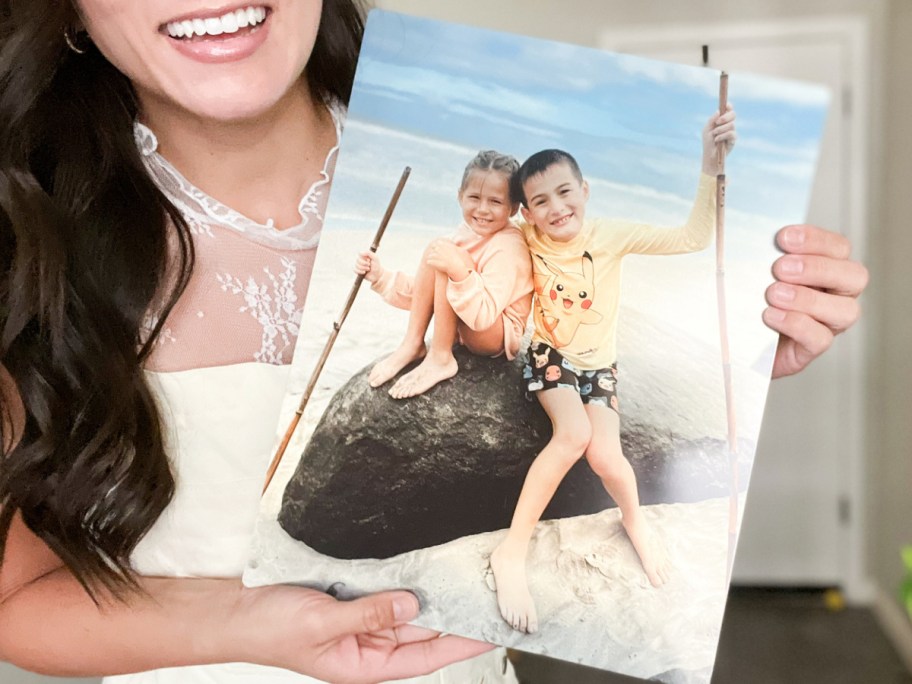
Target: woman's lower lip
223 48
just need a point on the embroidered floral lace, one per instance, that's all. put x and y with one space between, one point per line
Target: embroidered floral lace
246 293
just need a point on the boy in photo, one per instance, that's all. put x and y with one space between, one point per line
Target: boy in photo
572 363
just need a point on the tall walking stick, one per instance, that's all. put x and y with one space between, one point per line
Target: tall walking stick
723 331
723 336
337 326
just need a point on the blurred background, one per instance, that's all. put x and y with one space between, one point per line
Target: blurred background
818 570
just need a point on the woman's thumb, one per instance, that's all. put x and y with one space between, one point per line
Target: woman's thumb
373 613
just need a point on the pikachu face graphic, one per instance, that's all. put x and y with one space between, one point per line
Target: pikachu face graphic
565 299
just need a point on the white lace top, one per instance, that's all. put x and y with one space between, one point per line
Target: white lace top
219 373
249 280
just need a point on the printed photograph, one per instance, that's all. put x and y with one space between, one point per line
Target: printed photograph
540 411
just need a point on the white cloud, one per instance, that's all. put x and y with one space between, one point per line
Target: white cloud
381 131
505 105
742 86
509 122
763 88
806 150
665 73
797 170
444 88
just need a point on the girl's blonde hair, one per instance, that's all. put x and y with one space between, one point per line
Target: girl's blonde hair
490 160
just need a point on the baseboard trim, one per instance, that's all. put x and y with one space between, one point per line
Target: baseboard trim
895 624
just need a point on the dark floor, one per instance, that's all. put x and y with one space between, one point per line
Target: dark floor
770 636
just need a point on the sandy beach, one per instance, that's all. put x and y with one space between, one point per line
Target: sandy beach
595 605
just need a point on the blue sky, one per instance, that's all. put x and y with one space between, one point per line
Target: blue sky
627 120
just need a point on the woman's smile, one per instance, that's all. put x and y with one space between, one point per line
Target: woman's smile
221 35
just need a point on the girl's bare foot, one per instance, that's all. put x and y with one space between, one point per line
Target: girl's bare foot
385 369
649 548
429 372
508 563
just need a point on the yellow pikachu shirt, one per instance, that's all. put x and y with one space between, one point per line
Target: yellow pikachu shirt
578 283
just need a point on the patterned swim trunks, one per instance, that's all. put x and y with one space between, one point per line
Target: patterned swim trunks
545 368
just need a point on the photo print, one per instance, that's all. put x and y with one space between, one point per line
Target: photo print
552 453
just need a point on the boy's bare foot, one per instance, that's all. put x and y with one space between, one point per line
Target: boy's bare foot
513 598
385 369
428 373
649 548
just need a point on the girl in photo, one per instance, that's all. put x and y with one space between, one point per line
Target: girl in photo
476 284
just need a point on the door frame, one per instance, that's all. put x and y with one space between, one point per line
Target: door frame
852 34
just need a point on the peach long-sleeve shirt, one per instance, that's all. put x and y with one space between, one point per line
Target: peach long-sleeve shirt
499 287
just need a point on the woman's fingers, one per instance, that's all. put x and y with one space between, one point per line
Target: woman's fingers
372 613
816 276
836 312
802 339
431 654
808 239
815 296
837 276
384 648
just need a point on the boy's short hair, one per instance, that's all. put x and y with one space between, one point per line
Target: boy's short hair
537 164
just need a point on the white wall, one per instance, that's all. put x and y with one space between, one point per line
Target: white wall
888 305
580 21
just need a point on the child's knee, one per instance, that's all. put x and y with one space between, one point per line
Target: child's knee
573 443
606 463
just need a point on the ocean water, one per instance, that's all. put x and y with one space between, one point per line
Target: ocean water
680 289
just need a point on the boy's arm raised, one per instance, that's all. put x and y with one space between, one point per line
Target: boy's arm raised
693 236
697 233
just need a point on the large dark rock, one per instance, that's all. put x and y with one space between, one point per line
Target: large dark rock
381 477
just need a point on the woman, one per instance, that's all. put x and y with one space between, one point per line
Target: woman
163 171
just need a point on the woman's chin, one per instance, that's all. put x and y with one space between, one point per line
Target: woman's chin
226 103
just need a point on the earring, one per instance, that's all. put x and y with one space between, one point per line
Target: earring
71 43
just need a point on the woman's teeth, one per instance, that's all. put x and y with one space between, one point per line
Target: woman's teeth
216 26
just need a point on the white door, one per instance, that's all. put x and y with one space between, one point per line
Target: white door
801 523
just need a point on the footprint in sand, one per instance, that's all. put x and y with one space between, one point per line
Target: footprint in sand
489 577
615 566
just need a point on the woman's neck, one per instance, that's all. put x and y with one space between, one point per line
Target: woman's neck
261 167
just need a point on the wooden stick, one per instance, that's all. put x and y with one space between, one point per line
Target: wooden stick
337 326
723 336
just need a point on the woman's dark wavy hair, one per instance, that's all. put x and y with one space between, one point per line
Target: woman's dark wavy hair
84 256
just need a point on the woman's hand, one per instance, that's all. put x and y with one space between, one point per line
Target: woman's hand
365 640
815 296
